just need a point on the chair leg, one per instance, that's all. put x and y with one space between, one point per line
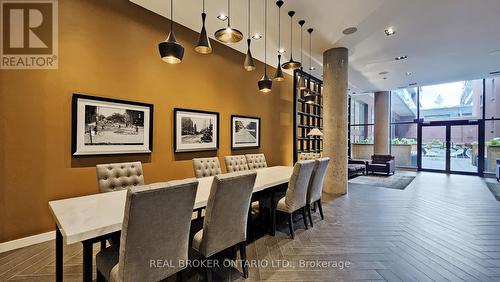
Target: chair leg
100 277
308 207
208 274
290 225
273 218
320 209
243 256
304 217
178 276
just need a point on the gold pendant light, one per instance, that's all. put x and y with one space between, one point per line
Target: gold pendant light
291 65
265 84
249 64
278 75
228 35
203 46
302 80
170 51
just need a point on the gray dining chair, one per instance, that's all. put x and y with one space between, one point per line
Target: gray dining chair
151 230
204 167
226 215
295 197
315 190
236 163
256 161
119 176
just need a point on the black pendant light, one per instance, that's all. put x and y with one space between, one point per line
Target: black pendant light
278 75
203 46
171 52
291 65
228 35
249 65
265 84
310 97
302 80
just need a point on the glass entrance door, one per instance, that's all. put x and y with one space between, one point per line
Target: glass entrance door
448 147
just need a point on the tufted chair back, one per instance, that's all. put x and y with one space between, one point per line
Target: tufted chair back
119 176
236 163
256 161
226 216
204 167
308 156
317 178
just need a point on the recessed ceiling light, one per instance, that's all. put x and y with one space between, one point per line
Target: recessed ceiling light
222 17
390 31
412 84
385 78
383 72
408 73
312 68
257 36
281 51
401 58
349 30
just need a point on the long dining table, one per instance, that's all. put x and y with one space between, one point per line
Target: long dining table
92 219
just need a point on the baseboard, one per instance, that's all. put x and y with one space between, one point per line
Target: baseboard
27 241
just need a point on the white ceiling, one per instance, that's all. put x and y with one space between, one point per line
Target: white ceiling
445 40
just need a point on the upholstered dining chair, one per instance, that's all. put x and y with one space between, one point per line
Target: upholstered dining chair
316 186
225 222
119 176
308 156
295 197
236 163
256 161
204 167
151 230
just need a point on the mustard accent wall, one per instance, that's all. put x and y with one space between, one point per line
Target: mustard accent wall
110 48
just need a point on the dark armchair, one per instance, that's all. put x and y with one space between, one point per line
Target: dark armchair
381 164
356 167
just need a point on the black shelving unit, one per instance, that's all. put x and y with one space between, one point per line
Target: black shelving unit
307 116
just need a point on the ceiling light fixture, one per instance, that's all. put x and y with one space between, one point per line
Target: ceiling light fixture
278 75
302 80
291 64
401 58
257 36
412 84
495 72
265 84
390 31
203 46
312 68
383 72
222 17
171 52
349 30
228 35
249 64
408 73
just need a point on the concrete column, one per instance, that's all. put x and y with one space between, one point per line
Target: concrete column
335 64
381 129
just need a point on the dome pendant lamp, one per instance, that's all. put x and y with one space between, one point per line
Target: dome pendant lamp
249 64
203 46
302 80
291 65
278 75
228 35
265 84
310 97
170 51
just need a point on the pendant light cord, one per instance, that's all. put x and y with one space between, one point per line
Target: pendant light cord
279 30
265 36
203 5
291 37
301 32
228 12
171 15
310 55
248 18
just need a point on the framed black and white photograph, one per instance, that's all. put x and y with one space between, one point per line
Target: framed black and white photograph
195 130
245 132
104 126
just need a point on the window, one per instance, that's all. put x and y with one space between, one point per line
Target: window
404 105
404 144
362 108
492 93
361 142
456 100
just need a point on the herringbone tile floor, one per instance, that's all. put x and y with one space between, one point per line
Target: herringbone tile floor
440 228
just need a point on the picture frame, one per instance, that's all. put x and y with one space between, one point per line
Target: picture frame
245 132
195 130
108 126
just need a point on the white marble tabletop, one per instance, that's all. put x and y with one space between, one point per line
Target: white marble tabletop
91 216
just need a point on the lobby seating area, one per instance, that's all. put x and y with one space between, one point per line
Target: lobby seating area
250 140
